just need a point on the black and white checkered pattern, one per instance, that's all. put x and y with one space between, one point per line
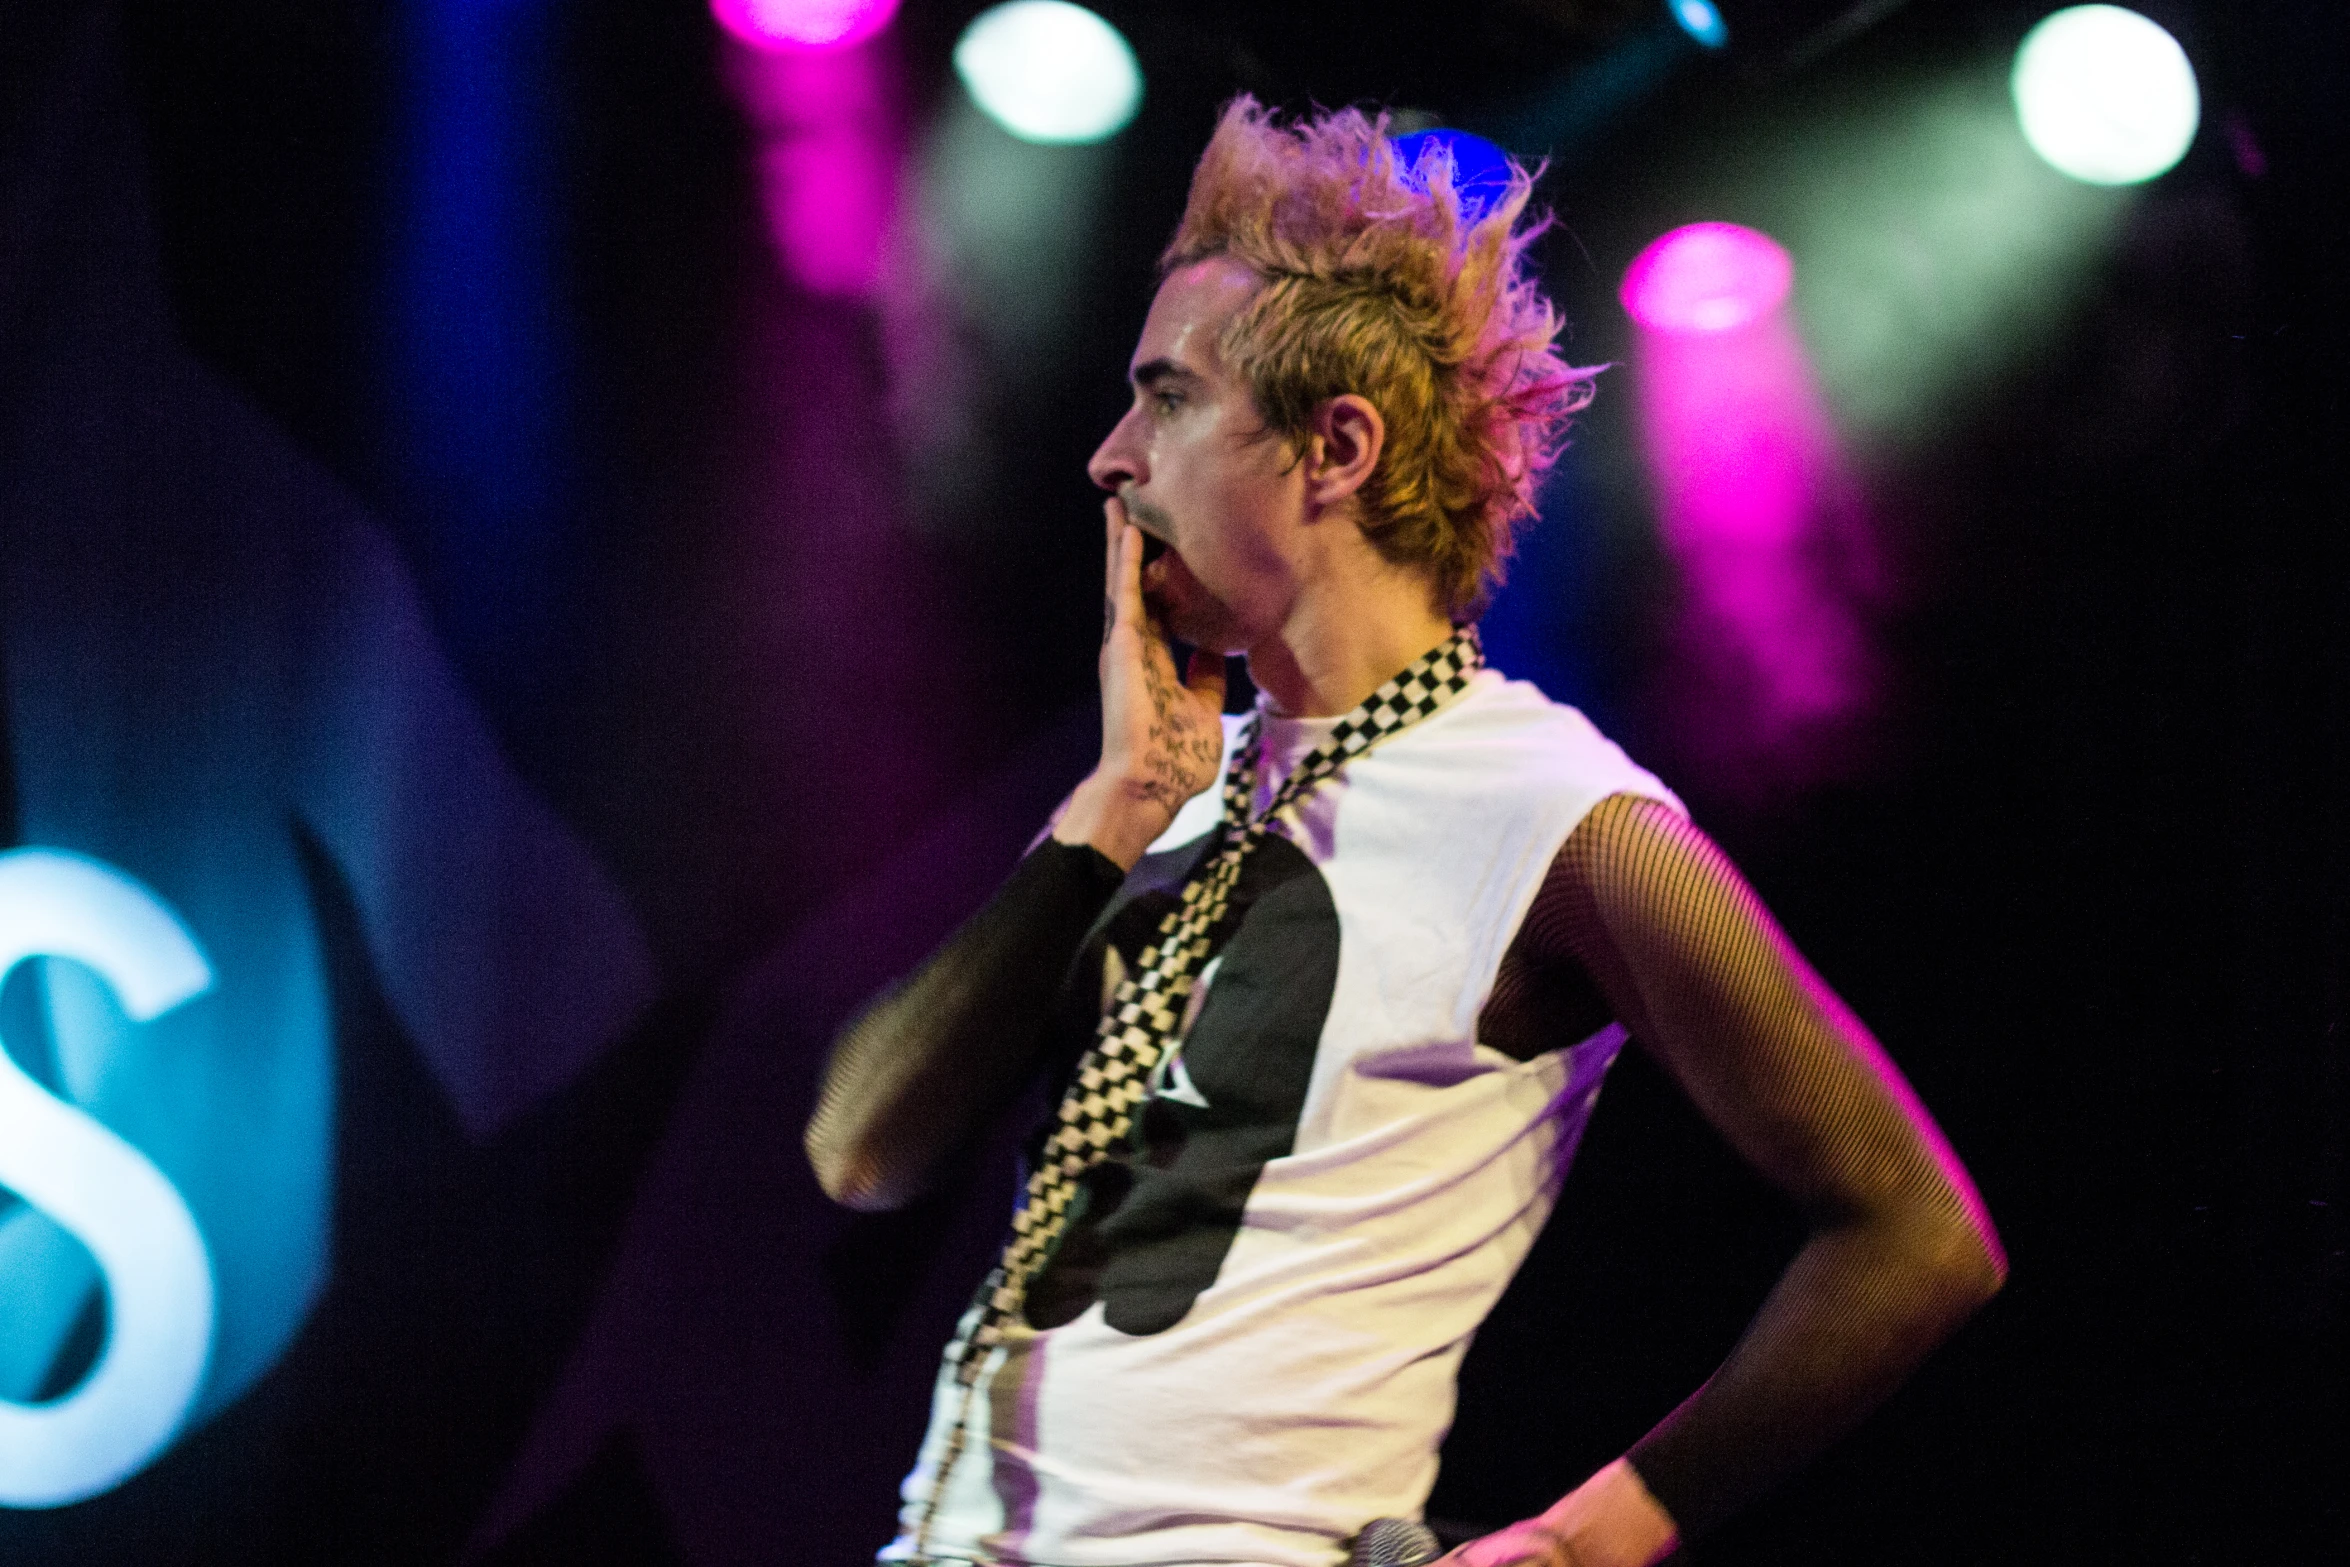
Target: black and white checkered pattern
1143 1018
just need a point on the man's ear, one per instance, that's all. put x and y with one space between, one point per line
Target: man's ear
1349 435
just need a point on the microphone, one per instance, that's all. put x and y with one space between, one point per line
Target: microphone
1394 1542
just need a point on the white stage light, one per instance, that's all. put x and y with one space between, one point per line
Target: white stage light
1048 71
2105 95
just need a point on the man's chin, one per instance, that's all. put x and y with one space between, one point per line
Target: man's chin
1187 610
1205 627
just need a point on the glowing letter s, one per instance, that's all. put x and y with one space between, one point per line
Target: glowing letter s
102 1190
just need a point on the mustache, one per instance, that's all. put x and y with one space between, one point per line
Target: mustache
1150 519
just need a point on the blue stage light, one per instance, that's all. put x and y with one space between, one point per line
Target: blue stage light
1480 170
1701 20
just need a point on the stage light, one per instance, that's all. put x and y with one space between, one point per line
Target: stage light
1707 277
1048 71
803 24
1480 170
2105 95
825 136
1701 20
1756 507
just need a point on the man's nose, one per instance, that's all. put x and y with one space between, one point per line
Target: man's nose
1116 462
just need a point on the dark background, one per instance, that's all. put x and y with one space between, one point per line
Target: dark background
2084 871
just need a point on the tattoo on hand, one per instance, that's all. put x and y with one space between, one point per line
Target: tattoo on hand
1183 753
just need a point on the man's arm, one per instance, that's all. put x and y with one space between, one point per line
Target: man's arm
1900 1252
923 1067
935 1056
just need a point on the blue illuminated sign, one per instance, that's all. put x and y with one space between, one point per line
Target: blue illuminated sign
224 710
83 1178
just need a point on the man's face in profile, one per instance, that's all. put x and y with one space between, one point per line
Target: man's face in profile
1198 472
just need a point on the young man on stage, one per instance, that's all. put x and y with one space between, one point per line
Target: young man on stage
1327 993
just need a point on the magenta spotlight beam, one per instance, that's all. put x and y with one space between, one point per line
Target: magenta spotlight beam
803 24
826 153
1755 504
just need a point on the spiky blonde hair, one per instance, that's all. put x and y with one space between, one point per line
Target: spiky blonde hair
1377 284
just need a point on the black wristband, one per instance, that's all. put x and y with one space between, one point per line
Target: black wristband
1086 866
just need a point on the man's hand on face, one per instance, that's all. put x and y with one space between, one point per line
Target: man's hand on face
1162 737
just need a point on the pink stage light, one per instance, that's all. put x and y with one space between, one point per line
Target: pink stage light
1757 508
1707 277
826 150
803 24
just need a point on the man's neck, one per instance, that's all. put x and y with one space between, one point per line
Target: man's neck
1335 650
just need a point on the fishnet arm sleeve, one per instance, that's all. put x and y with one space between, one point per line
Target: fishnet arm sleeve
1900 1251
931 1058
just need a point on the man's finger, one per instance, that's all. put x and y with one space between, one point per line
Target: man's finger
1125 586
1113 537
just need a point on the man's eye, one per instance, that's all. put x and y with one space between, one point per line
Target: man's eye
1168 401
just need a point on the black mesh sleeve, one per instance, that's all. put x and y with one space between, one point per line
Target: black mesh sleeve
935 1056
1900 1250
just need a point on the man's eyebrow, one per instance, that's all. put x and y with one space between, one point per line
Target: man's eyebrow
1152 373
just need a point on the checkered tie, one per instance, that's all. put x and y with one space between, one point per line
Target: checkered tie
1097 1112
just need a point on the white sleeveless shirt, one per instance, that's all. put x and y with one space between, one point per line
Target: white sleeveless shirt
1304 1388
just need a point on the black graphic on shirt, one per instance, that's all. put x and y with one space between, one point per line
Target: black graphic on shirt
1157 1218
